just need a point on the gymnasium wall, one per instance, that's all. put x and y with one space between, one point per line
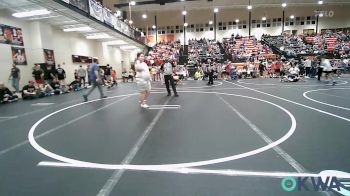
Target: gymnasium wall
38 36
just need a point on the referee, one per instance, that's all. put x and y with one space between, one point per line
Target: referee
168 77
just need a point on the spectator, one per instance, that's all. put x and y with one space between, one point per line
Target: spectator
125 75
82 75
131 75
61 75
30 91
6 95
15 77
76 75
50 75
38 75
114 76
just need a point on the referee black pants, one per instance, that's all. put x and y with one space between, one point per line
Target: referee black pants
169 79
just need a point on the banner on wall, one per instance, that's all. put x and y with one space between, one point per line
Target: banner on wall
96 10
19 56
117 24
11 35
108 17
161 38
49 57
81 4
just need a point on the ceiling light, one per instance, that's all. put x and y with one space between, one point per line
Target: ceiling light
291 17
31 13
154 27
98 36
77 29
184 12
263 18
186 24
128 47
144 16
237 20
216 10
130 21
320 15
284 5
210 22
320 2
132 3
249 7
116 42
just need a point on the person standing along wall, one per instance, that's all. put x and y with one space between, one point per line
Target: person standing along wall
15 77
82 75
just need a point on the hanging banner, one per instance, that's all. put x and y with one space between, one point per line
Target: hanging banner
81 4
19 56
11 35
96 10
49 57
108 17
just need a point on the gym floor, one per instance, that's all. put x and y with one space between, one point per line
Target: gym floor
233 138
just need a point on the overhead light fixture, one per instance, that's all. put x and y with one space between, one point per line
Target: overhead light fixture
320 2
154 27
130 21
210 22
31 13
320 15
186 24
263 18
216 10
284 4
77 29
128 47
249 7
116 42
184 12
291 17
132 3
98 36
144 16
237 20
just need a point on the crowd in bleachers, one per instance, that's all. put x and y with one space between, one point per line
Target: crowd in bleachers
241 49
320 44
202 50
